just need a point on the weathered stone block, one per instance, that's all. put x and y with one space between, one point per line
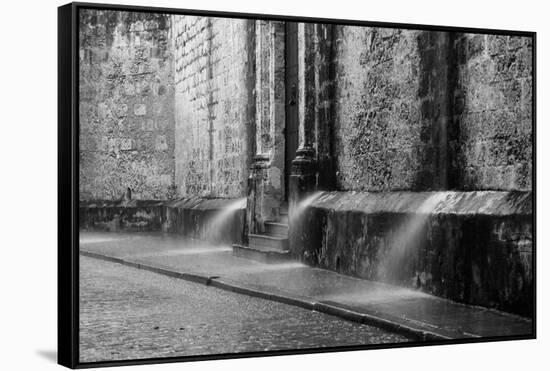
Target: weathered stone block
472 247
212 105
113 70
121 215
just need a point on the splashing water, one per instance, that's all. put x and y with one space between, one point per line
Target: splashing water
218 224
406 240
302 205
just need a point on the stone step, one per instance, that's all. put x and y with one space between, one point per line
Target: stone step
276 229
264 255
263 241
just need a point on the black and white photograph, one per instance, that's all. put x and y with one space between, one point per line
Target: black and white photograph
262 185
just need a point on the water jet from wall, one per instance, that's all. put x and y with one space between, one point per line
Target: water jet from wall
217 227
405 241
297 212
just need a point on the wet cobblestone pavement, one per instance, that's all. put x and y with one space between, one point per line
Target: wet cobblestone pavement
127 313
420 312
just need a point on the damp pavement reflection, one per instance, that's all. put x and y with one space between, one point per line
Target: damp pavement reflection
128 313
413 312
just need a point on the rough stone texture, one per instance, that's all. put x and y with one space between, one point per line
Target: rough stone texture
381 140
493 103
126 105
384 109
212 69
113 216
472 247
418 110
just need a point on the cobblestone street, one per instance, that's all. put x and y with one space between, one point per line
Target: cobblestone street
127 313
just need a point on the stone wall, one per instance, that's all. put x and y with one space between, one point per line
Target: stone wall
419 110
214 95
266 183
411 112
213 220
493 103
380 139
122 215
126 105
176 106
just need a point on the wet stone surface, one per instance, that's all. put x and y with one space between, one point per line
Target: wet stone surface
127 313
399 305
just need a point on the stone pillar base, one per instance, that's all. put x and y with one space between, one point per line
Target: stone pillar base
303 182
256 193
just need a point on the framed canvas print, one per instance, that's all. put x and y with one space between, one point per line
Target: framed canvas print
237 185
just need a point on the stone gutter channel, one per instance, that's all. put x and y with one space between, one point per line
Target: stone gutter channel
416 330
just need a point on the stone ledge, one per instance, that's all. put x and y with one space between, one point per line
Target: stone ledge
201 203
499 203
471 247
191 217
121 215
120 203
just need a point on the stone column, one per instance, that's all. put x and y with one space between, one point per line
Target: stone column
325 84
315 96
304 172
306 84
303 178
267 170
256 194
303 181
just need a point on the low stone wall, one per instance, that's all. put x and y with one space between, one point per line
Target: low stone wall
472 247
215 220
202 218
134 215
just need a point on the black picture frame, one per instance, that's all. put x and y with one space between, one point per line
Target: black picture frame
68 164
